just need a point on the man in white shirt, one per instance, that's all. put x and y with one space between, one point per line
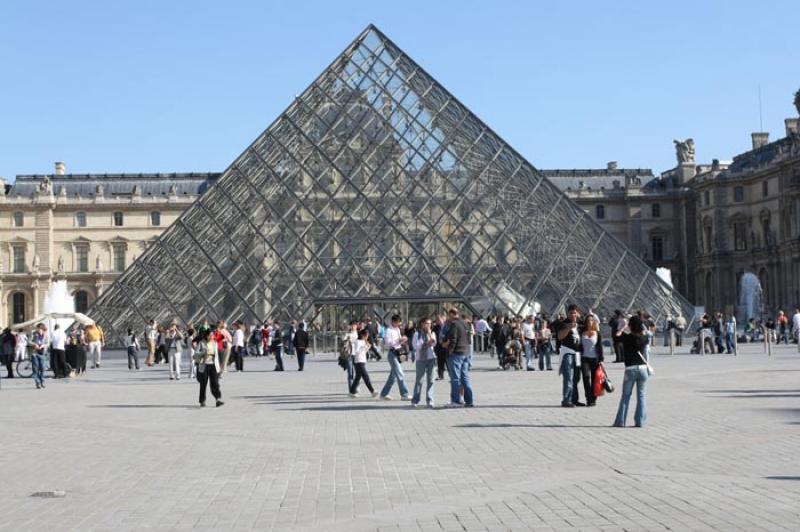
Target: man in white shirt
482 329
393 339
58 341
238 345
529 337
150 334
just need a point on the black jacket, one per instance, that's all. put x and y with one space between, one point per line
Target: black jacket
301 339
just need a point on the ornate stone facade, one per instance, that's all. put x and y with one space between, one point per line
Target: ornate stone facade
82 228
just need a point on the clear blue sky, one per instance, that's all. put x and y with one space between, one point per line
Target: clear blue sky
147 86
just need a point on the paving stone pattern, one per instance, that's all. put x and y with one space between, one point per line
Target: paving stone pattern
290 451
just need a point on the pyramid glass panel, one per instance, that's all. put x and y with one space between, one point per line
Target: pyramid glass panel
376 184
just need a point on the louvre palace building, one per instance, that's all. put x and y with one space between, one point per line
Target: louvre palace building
376 184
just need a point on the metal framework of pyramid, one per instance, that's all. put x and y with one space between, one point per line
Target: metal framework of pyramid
375 184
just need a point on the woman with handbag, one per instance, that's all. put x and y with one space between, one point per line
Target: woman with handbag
591 356
207 358
637 372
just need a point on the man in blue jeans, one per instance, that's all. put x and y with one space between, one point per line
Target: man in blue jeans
457 344
40 341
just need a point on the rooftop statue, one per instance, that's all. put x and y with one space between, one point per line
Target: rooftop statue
684 151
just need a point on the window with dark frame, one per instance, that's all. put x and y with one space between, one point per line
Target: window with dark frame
765 188
81 301
738 194
118 219
600 212
119 257
82 258
18 307
707 198
740 236
19 219
80 219
658 248
155 218
19 259
656 210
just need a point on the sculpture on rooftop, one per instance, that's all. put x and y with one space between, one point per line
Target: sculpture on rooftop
684 151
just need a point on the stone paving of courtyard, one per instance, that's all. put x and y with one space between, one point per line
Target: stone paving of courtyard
290 451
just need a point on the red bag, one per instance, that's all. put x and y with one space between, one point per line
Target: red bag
599 381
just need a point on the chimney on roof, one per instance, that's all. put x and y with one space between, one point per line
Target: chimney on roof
792 126
715 165
760 139
611 165
61 168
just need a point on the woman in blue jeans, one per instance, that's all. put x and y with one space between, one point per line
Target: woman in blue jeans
424 341
633 345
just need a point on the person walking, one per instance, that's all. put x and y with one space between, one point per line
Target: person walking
636 373
730 334
40 341
21 346
529 337
8 345
440 330
207 358
570 345
276 345
225 346
174 338
95 340
350 338
301 344
132 345
237 351
360 348
394 340
680 327
187 345
424 342
543 346
457 345
591 356
374 332
150 336
58 344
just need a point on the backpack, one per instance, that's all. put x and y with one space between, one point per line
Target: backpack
345 348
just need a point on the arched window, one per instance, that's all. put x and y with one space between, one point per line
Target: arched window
600 212
18 307
19 219
80 219
155 218
81 301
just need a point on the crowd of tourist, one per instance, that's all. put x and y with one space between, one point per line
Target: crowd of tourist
438 345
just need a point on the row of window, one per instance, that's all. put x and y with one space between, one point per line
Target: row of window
81 258
600 211
118 219
738 193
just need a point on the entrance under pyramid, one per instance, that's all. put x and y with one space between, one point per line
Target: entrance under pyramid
378 186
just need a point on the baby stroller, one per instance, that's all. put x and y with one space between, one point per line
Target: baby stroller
512 356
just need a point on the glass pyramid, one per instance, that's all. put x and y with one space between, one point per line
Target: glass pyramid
377 184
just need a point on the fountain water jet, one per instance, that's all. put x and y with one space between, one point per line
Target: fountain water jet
59 300
751 303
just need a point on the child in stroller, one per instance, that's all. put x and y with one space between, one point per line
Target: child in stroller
513 352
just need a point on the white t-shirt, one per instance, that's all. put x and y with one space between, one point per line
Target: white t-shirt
58 339
238 338
527 331
360 352
391 338
796 322
481 326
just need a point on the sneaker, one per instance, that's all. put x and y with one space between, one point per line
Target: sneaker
219 403
37 386
567 405
387 397
374 394
454 405
173 378
353 394
431 406
580 404
470 405
202 404
414 405
591 404
405 398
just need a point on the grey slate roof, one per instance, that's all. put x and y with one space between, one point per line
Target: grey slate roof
85 185
597 179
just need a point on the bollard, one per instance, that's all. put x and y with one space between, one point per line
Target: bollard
764 332
735 344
